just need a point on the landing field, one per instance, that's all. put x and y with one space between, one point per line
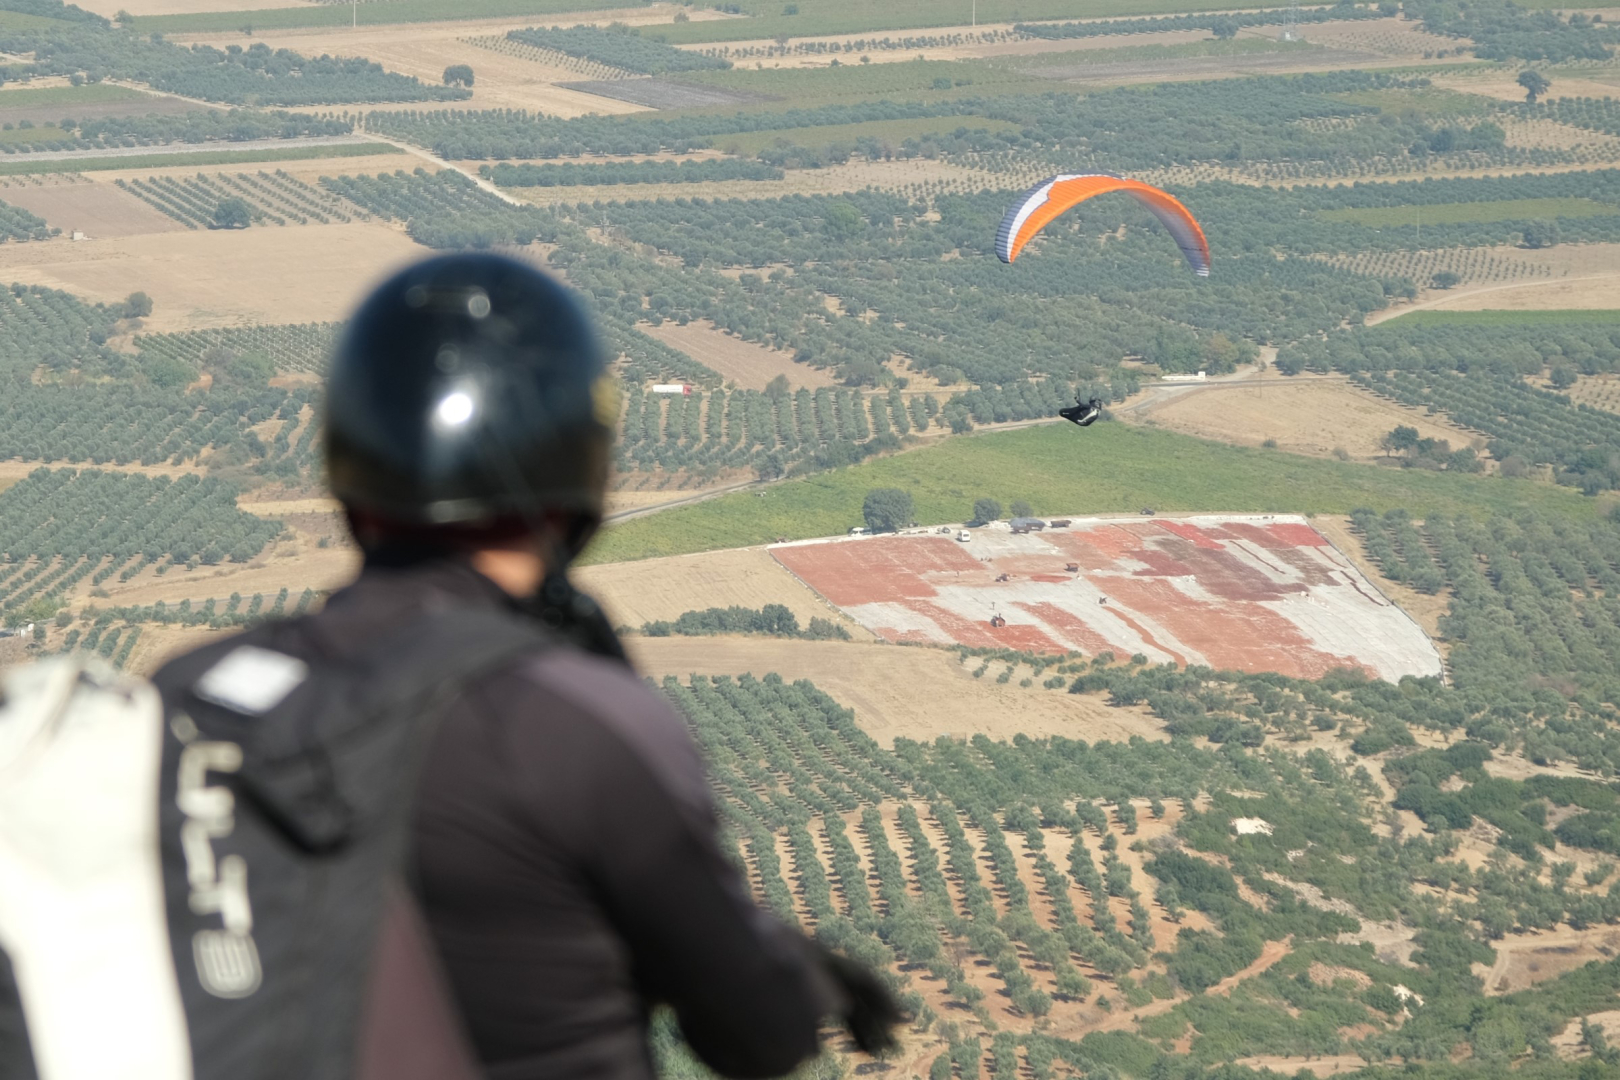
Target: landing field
207 278
1248 593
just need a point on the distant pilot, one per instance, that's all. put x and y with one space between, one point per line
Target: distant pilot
1084 413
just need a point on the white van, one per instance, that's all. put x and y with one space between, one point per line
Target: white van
964 537
860 530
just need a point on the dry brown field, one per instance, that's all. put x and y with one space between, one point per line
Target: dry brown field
897 690
1314 417
1523 960
197 279
1557 294
831 180
1598 391
748 365
652 589
99 210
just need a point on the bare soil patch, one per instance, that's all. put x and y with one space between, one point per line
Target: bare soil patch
1311 417
651 589
1522 960
95 209
294 564
919 693
748 365
204 278
1586 292
1568 1044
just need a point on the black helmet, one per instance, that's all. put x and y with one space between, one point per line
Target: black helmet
469 389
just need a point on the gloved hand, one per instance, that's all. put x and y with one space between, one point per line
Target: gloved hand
869 1007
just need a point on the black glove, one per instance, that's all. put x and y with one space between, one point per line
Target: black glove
869 1008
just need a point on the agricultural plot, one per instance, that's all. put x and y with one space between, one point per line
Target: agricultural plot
749 366
562 62
1247 594
202 278
1319 418
301 348
654 93
272 198
61 526
76 205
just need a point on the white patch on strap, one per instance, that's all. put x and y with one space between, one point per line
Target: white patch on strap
251 680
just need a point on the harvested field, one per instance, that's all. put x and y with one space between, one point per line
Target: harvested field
98 210
748 365
1314 416
1203 67
652 589
663 93
207 278
1596 291
1244 592
895 691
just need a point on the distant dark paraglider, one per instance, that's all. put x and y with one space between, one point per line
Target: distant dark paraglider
1084 413
1049 199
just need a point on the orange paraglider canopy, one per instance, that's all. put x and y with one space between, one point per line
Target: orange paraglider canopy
1044 202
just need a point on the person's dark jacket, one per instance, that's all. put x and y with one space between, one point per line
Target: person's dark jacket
567 862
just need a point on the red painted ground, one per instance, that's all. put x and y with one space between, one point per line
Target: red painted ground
1255 593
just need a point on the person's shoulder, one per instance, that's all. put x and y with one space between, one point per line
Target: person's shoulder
622 708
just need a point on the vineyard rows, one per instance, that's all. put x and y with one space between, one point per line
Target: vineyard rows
997 883
1532 599
58 526
1537 427
295 347
123 425
740 428
578 65
861 45
624 51
273 198
18 224
1473 266
444 209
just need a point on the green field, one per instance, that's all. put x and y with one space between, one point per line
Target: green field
17 20
1110 469
88 94
1585 317
1460 213
205 157
1430 99
895 131
23 136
